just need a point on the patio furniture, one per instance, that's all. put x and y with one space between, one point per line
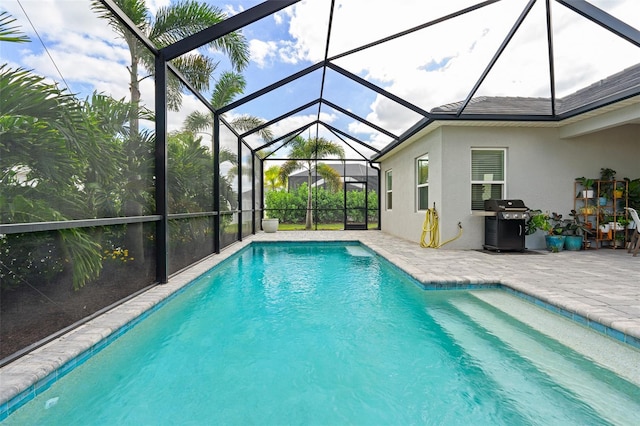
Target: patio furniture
635 238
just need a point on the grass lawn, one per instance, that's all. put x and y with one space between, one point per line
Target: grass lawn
321 226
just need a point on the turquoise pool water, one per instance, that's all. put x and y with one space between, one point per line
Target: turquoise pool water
330 334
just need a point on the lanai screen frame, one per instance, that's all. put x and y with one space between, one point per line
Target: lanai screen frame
163 67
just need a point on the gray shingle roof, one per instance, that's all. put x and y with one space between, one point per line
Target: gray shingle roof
612 85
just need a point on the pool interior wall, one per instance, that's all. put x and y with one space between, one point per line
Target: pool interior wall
32 374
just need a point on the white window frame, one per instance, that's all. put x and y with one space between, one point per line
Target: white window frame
490 182
420 185
388 190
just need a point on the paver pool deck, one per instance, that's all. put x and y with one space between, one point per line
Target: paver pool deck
602 286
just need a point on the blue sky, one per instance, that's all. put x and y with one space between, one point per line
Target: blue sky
435 66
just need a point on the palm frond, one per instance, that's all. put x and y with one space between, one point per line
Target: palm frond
324 148
27 94
197 122
196 68
272 178
179 20
247 122
228 86
236 46
8 33
288 168
136 10
227 155
330 175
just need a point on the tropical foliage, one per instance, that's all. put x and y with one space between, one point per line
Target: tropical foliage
11 33
226 89
63 159
303 155
46 138
291 207
168 25
272 181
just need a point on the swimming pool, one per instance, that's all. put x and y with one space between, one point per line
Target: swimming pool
331 333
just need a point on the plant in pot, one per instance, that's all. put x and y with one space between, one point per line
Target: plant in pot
574 231
606 187
633 192
551 224
607 174
587 187
603 195
623 223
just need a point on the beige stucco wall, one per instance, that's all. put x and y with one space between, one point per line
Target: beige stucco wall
404 220
541 170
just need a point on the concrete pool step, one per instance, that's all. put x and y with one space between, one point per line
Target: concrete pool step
603 350
607 401
358 251
502 372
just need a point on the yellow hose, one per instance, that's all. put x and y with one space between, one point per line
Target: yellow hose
430 237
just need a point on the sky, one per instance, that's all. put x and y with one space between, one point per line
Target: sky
432 67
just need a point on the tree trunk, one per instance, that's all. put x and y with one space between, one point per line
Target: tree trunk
309 221
134 240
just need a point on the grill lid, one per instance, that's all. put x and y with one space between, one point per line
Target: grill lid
504 206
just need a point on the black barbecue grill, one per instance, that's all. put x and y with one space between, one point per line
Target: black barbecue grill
504 224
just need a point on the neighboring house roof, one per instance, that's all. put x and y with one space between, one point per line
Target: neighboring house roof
348 169
615 84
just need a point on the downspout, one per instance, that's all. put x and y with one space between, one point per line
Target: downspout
379 194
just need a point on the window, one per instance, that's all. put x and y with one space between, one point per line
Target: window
389 179
487 176
422 177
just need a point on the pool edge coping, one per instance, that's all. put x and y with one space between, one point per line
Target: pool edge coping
45 365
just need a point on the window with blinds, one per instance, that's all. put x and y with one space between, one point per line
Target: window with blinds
487 176
422 178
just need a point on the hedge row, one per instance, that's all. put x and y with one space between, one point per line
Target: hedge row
290 207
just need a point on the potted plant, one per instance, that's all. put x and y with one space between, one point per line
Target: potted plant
574 232
633 192
607 174
587 187
606 187
618 193
551 224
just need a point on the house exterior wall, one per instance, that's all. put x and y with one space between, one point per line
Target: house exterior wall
541 168
404 220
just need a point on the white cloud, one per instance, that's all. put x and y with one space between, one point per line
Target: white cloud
80 46
154 5
438 65
278 18
262 52
233 9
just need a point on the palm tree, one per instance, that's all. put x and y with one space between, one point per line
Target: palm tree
189 174
60 160
227 88
170 25
303 154
272 180
49 145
